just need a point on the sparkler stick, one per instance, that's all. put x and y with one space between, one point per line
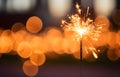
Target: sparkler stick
81 50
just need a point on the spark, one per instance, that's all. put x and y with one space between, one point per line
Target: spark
84 30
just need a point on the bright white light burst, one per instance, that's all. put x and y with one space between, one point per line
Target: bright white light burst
85 30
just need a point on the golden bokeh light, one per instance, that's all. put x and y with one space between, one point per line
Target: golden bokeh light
117 52
103 22
102 40
7 32
24 50
69 46
54 39
29 69
37 43
6 41
112 42
68 34
112 55
34 24
17 26
38 59
5 44
21 34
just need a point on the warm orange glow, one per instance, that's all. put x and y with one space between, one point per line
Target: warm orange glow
37 43
69 34
29 69
54 40
34 24
24 50
38 59
112 42
118 52
102 40
21 34
76 55
69 46
5 44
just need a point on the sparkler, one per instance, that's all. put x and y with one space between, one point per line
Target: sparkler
85 31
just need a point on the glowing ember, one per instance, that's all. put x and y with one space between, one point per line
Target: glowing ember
84 30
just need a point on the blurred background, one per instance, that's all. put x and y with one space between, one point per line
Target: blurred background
51 13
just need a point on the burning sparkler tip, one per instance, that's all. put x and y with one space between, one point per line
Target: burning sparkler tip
84 29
